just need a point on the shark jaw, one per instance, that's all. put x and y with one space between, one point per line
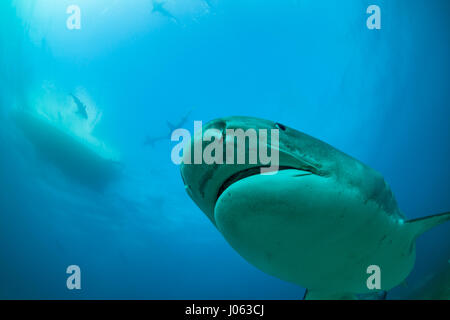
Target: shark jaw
301 227
240 175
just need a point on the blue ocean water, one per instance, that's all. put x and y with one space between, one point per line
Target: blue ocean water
381 96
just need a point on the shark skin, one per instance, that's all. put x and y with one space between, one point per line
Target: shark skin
319 222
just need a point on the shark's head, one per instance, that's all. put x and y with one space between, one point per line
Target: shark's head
205 183
277 221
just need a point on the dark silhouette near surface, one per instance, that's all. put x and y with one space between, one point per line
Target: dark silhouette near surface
81 107
150 141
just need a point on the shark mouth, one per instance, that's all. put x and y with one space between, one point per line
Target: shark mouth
245 174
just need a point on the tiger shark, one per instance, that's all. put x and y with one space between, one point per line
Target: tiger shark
319 222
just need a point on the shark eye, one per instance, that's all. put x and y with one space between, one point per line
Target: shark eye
222 127
280 126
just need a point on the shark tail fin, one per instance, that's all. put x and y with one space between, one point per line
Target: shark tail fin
422 225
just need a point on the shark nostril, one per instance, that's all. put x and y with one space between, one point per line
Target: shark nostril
280 126
220 126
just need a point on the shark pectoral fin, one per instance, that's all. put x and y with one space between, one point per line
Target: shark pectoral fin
422 225
320 295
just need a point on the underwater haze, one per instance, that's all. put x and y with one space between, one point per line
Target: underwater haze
86 176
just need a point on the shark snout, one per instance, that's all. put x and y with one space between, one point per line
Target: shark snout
218 124
214 130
